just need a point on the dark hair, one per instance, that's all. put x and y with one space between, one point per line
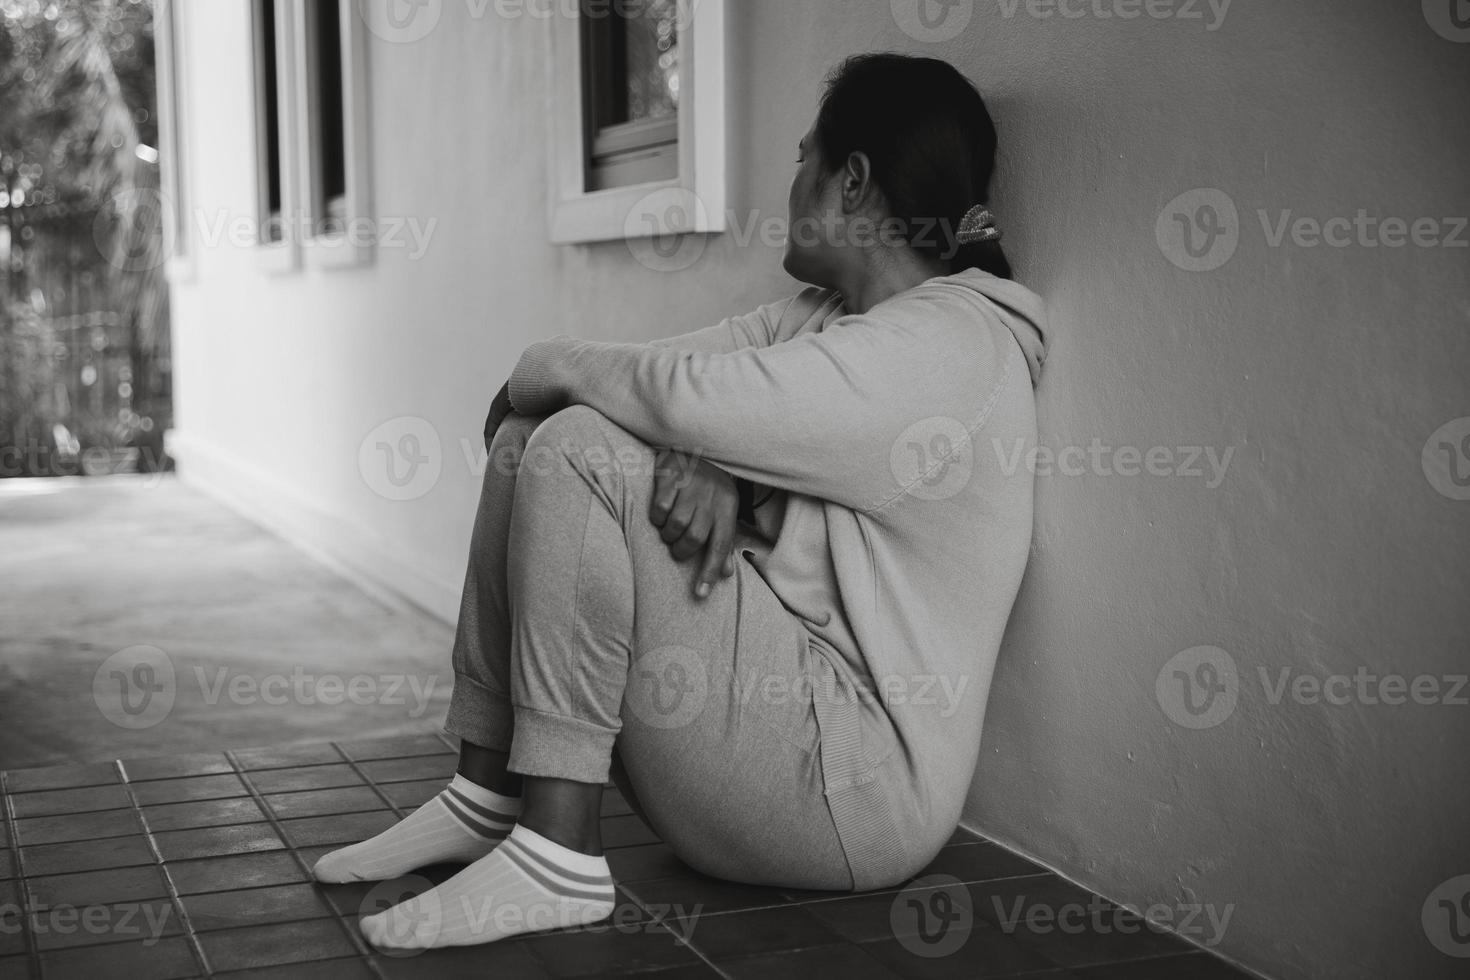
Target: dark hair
930 140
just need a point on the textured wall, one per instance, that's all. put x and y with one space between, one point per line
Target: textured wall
1318 546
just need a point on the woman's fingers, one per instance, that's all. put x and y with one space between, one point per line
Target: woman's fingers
676 526
666 484
696 532
716 556
695 507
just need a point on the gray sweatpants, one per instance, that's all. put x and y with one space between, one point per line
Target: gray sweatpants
579 634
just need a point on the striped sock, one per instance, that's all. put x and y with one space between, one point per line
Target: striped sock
528 884
461 824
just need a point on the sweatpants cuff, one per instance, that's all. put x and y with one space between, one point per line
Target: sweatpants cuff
479 715
560 747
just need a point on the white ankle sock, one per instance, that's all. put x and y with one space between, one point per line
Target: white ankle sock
463 823
528 884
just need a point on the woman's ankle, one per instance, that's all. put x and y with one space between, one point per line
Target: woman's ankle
488 768
566 812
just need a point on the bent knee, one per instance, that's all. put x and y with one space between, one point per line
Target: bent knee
588 437
575 423
575 420
515 429
508 444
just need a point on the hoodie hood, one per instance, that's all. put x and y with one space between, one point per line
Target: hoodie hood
1021 310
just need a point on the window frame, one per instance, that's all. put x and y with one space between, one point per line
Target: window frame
283 256
173 83
577 215
355 246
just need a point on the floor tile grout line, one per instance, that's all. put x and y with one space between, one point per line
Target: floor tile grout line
1107 964
33 949
195 948
788 902
660 922
907 885
697 952
786 951
192 827
354 764
372 783
354 936
78 813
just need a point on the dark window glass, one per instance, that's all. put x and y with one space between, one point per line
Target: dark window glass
630 54
270 88
333 158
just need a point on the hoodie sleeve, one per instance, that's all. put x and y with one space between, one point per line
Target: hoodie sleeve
755 329
819 414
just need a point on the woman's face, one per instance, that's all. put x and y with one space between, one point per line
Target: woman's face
811 254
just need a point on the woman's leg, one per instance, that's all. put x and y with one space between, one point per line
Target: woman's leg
480 712
705 699
476 811
717 732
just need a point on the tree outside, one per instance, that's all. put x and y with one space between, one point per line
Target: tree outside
84 338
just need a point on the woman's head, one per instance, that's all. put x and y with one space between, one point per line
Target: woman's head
900 141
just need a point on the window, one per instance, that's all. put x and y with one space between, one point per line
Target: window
630 54
334 142
173 82
275 176
637 119
311 134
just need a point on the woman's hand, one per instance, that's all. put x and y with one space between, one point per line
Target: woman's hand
695 503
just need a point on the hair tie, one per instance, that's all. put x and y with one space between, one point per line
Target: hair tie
978 225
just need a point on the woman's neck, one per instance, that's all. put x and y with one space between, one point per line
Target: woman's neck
885 274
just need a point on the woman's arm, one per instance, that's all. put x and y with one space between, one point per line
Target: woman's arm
758 328
818 414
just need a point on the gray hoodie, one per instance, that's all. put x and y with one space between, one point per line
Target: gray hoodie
895 535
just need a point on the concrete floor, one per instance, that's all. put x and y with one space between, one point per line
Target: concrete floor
267 646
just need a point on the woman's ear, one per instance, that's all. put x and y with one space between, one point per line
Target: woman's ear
857 181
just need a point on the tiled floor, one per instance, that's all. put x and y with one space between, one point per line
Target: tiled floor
199 866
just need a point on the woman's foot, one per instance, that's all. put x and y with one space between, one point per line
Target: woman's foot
463 824
528 884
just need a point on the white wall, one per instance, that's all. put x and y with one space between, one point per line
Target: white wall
1321 829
